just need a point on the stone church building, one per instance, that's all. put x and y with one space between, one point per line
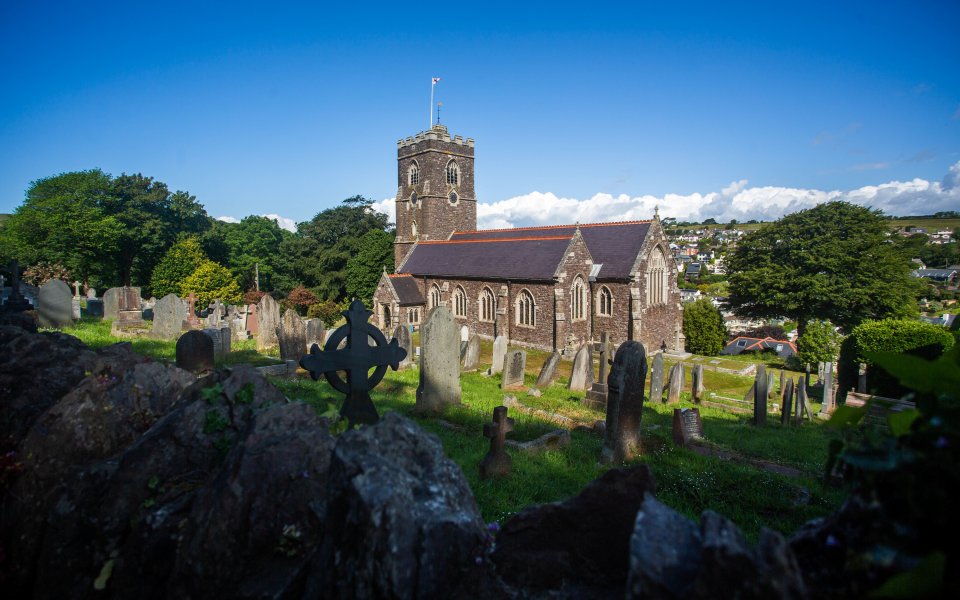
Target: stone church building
551 288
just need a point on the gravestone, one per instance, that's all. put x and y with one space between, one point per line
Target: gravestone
626 383
314 332
514 365
191 322
687 426
292 336
464 334
214 315
820 367
214 334
827 399
771 391
806 379
581 375
225 338
499 352
549 371
16 302
111 303
95 308
862 378
596 396
787 404
168 315
402 335
252 323
471 356
748 398
91 293
439 365
696 386
656 378
129 312
75 304
76 289
783 376
803 403
56 305
195 352
675 385
497 462
356 358
268 319
463 350
760 396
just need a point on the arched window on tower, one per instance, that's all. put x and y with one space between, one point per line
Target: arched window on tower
526 309
453 173
487 305
459 302
413 229
577 294
604 302
657 282
434 296
413 174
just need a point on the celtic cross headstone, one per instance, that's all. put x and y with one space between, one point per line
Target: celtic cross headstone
355 358
16 302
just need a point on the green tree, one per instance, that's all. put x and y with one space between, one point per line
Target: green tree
180 261
704 328
211 281
820 342
62 221
834 261
254 247
364 268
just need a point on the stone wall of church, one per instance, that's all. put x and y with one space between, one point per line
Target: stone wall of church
617 325
572 332
656 324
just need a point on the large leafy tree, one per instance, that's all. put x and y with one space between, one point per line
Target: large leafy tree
63 221
364 268
254 246
835 261
703 328
180 261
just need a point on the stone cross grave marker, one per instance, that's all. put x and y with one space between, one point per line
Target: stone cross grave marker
76 289
787 405
596 396
191 321
656 378
439 362
549 371
497 462
687 426
15 301
355 359
628 375
514 365
760 396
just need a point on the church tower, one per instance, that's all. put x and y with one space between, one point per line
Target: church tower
435 195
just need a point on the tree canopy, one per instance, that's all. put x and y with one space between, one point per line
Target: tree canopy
704 328
835 261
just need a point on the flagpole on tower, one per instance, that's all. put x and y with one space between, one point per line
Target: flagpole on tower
433 83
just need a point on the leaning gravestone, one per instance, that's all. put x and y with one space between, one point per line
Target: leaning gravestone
625 403
499 351
803 404
687 426
581 376
787 405
696 386
471 356
656 378
675 386
439 362
549 371
111 303
497 462
195 352
292 336
760 396
514 366
268 319
56 305
402 335
168 315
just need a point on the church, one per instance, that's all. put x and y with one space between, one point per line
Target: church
549 288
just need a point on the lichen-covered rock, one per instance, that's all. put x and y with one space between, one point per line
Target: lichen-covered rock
402 522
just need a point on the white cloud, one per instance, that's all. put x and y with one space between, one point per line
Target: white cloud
283 222
228 219
387 206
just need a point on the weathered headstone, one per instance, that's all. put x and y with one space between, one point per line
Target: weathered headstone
464 334
439 362
95 307
697 388
862 378
268 318
820 367
195 352
760 396
499 351
168 315
626 385
253 324
402 335
356 358
497 462
771 391
787 404
827 399
214 315
549 371
111 303
292 336
75 305
656 378
56 305
214 334
581 375
225 338
471 357
315 332
806 379
783 376
749 397
687 426
596 396
91 293
129 310
514 365
675 385
803 403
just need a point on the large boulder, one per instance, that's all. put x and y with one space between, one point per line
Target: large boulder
579 547
402 522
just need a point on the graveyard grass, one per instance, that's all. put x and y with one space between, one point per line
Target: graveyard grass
736 485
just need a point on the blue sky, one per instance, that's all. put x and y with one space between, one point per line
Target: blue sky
590 112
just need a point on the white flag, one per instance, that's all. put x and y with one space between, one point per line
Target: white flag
435 80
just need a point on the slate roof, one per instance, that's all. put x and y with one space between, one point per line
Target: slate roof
748 344
407 290
528 252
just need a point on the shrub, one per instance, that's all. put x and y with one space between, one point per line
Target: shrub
300 298
42 272
253 296
889 335
211 281
820 342
704 328
180 261
327 311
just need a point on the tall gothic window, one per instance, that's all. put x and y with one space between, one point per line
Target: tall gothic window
413 174
576 299
526 309
487 305
459 302
413 316
657 282
434 296
453 173
604 302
